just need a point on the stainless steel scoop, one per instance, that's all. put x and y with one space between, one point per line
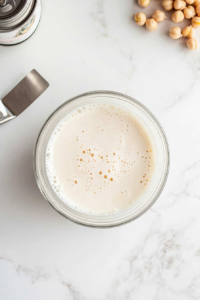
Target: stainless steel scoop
22 96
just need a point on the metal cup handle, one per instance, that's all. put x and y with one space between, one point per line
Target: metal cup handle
5 114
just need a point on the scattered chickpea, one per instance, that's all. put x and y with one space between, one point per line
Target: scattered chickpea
189 1
189 12
196 22
196 2
188 32
179 4
198 10
175 33
192 44
168 4
143 3
177 16
140 18
159 15
151 25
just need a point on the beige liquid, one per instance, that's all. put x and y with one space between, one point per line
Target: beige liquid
99 159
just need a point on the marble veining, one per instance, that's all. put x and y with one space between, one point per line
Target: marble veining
82 46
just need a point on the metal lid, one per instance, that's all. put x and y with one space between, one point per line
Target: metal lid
14 12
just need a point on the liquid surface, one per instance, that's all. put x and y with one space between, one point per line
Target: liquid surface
99 159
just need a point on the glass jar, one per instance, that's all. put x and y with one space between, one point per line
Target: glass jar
161 159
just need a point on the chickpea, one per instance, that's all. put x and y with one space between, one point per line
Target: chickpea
196 22
143 3
175 33
188 32
159 16
198 10
189 12
177 16
168 4
140 18
192 44
196 2
151 25
189 1
179 4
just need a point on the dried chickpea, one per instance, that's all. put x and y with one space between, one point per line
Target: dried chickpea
198 10
179 4
189 1
196 22
168 5
143 3
192 44
188 32
159 15
175 33
177 16
140 18
189 12
196 2
151 25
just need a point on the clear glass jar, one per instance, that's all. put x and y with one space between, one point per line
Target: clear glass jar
161 157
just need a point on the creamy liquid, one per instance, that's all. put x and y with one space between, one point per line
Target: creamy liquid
99 159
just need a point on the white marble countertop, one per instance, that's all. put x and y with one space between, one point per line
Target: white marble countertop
82 46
